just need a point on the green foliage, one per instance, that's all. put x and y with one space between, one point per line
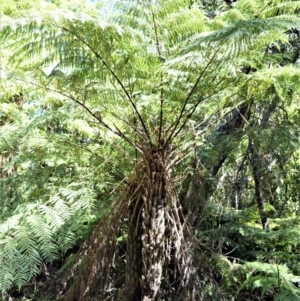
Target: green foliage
94 87
268 277
38 232
50 197
257 260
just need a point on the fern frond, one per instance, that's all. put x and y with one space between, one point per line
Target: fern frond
280 8
180 25
292 294
52 37
245 34
273 276
166 8
233 15
249 7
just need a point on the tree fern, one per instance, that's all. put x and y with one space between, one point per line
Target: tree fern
125 92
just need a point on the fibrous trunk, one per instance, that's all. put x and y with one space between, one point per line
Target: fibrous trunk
147 244
155 232
160 246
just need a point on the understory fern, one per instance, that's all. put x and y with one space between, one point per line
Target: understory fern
272 277
257 261
37 234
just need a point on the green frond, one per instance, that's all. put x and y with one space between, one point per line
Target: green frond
181 26
166 8
9 224
267 277
65 39
291 294
281 8
244 34
216 24
17 8
6 276
29 239
249 7
19 254
233 15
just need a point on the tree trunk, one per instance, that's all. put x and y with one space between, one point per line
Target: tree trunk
160 261
256 164
196 188
161 249
147 241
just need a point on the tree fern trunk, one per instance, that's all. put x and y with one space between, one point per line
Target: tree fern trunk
154 225
146 249
161 249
